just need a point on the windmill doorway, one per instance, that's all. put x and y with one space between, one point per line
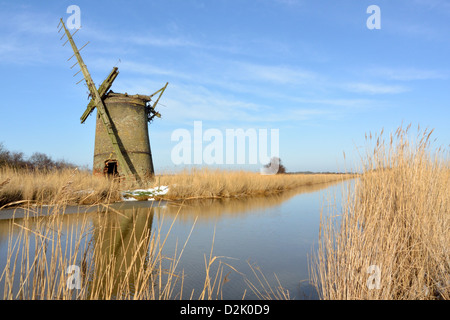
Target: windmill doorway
110 169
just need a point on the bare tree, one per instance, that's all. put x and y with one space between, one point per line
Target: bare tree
38 160
41 161
12 159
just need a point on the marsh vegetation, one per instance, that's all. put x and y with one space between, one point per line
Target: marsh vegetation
390 239
73 186
394 219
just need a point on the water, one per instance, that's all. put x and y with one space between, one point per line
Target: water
270 236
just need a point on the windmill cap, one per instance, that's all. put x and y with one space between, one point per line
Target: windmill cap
125 97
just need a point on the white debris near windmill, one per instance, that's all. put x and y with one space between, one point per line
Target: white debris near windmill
148 194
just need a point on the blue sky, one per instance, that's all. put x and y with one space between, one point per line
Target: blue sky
311 69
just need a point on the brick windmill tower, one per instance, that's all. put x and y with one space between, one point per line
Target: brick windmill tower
122 144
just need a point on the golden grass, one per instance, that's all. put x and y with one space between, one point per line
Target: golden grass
81 187
60 186
121 259
206 183
391 239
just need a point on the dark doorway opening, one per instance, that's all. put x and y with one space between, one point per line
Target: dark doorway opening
110 169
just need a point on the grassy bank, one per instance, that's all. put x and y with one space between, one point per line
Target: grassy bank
80 187
203 184
390 239
69 186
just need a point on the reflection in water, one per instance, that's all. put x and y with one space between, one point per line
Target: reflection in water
274 233
111 249
210 209
121 252
117 251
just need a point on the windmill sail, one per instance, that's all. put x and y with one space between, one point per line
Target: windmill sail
102 90
98 102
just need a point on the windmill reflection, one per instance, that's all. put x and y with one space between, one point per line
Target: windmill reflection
120 253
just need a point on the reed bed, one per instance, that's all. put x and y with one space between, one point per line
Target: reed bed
390 239
207 183
81 187
117 255
69 186
41 259
107 255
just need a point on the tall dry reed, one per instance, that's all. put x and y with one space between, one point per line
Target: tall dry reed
390 239
114 255
44 187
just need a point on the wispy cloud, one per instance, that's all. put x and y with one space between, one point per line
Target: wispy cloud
184 103
151 70
153 41
416 30
194 102
25 38
27 22
423 28
274 73
247 92
442 5
372 89
337 102
408 74
162 40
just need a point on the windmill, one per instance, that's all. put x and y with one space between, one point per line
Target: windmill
122 145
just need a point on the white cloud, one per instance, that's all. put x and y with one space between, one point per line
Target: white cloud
375 88
274 74
337 102
28 23
184 103
25 38
161 41
442 5
408 74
